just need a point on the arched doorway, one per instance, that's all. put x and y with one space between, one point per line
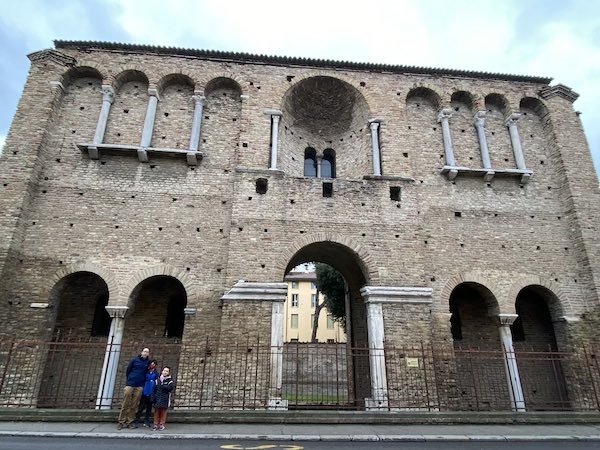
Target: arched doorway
331 375
155 320
480 363
76 351
536 349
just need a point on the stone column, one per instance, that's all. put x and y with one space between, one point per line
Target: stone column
515 140
275 116
443 118
376 334
108 97
479 122
111 357
319 161
375 151
199 102
277 325
148 125
510 363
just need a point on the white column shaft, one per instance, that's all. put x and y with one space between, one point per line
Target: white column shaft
375 148
149 121
277 325
108 377
274 137
512 371
376 336
483 147
199 102
515 140
443 118
108 97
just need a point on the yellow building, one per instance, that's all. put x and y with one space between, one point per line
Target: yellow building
300 308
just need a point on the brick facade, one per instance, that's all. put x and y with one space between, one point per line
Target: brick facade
149 233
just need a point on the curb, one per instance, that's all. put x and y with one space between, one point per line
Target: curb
305 438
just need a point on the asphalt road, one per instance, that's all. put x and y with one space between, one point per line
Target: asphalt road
58 443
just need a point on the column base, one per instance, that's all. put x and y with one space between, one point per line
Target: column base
278 403
376 405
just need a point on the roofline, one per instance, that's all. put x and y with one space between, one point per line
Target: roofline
291 61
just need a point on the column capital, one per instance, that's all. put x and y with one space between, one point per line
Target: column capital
479 119
444 114
108 93
512 119
199 99
374 125
507 319
118 312
153 92
273 112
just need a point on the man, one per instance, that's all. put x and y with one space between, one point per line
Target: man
134 383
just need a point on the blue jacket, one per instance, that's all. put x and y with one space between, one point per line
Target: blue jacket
136 371
151 375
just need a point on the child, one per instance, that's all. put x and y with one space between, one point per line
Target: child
161 398
146 401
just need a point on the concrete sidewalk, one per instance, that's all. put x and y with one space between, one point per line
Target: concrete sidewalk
312 432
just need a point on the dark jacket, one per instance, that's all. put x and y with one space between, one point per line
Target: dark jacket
151 375
161 395
136 371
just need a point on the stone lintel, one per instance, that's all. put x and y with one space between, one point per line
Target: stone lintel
188 312
389 178
39 305
273 112
266 292
396 294
570 319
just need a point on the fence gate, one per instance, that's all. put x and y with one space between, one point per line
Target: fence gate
322 376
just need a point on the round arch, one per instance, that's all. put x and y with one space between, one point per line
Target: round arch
105 274
164 269
291 256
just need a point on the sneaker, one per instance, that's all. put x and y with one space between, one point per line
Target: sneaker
161 427
134 425
154 428
146 425
120 426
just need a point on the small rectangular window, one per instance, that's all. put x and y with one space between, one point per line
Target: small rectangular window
395 193
329 322
313 286
327 189
294 321
294 285
295 301
313 300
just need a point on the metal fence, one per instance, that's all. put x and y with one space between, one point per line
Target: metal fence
251 375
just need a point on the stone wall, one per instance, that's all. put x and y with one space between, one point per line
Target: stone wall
207 226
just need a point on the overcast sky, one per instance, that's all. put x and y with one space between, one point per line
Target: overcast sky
550 38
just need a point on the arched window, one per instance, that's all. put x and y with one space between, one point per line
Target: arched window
310 162
328 164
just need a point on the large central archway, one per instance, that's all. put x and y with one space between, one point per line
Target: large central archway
344 377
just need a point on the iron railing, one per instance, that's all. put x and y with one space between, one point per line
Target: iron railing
250 375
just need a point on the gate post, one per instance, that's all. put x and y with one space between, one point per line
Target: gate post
111 357
276 293
510 363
